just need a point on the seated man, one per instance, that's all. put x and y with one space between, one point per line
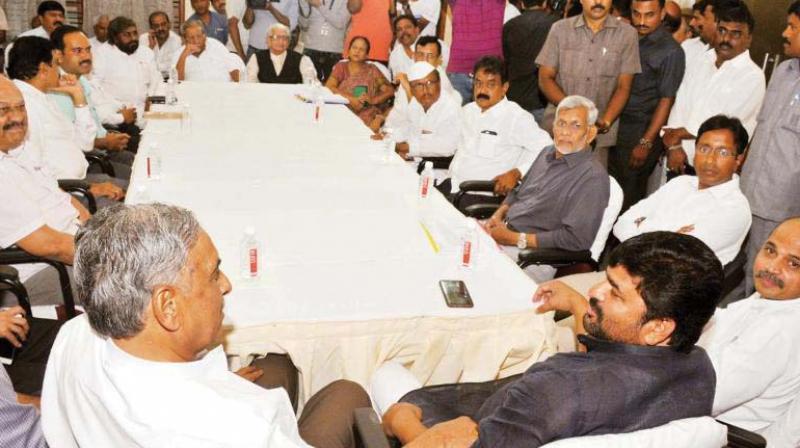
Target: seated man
709 206
753 343
135 370
162 40
37 216
499 140
640 364
203 59
278 64
126 70
58 143
427 49
561 199
430 125
76 60
407 37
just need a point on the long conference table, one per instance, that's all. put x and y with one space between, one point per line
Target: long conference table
351 258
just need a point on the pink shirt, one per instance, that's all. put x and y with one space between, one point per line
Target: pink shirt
477 32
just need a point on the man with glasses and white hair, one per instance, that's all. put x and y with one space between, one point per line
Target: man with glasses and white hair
203 59
561 199
278 64
135 369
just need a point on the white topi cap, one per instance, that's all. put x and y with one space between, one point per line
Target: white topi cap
419 70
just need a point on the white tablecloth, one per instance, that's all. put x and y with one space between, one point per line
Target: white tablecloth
350 278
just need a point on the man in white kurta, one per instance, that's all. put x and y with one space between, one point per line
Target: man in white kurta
430 125
753 344
162 41
203 59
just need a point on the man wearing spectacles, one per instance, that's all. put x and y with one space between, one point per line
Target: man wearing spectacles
430 125
278 64
709 206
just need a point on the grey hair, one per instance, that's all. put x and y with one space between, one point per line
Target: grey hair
100 16
121 254
575 101
191 24
278 26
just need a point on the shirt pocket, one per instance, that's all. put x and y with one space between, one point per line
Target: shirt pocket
610 64
488 145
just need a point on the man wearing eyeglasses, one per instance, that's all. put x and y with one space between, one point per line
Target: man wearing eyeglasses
278 64
709 206
430 125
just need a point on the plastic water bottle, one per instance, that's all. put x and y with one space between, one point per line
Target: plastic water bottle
250 253
469 244
426 181
319 103
389 143
153 162
172 81
186 119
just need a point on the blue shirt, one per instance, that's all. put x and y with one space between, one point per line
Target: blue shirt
65 104
217 27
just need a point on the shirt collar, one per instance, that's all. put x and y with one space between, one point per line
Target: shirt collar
28 89
610 22
656 35
761 302
722 190
13 153
738 61
498 108
572 160
602 346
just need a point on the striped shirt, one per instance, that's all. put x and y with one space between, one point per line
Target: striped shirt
20 423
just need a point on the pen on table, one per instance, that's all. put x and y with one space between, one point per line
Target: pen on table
432 242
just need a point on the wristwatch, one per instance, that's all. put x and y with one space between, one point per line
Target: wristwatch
522 241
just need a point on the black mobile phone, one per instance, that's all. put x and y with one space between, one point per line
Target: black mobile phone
7 351
456 294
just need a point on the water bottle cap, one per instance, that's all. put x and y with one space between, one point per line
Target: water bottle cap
429 165
250 230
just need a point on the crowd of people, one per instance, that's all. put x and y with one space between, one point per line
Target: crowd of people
634 116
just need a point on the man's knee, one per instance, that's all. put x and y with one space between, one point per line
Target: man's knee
348 394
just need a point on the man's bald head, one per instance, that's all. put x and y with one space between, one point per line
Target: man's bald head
776 269
13 117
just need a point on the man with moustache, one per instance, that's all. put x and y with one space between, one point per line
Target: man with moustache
203 59
652 94
704 28
771 176
127 71
162 41
726 81
406 32
433 51
595 56
76 60
499 140
430 125
641 361
561 199
51 15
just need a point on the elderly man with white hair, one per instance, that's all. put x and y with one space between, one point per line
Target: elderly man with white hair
203 59
136 368
278 64
561 200
100 28
430 125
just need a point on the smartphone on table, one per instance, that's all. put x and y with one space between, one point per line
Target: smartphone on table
456 294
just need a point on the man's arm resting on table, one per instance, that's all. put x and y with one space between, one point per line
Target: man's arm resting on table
49 243
548 85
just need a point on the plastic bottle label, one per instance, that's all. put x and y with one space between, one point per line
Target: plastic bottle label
466 254
424 187
253 252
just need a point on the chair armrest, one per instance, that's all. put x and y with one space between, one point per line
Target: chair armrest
742 438
368 429
553 257
481 211
15 255
81 188
9 280
476 185
96 157
439 163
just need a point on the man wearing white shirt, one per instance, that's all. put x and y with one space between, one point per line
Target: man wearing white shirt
51 14
60 143
164 42
203 59
135 370
753 344
426 12
430 125
37 216
406 32
427 49
278 64
259 19
127 70
709 206
499 140
726 81
100 28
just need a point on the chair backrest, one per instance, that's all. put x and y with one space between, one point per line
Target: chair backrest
383 69
610 214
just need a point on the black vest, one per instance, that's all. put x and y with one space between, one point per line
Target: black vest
290 74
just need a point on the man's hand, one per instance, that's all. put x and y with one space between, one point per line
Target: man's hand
191 49
116 141
402 149
502 235
151 39
128 114
356 103
13 325
107 190
555 295
458 433
250 373
506 182
638 156
68 84
398 416
674 136
686 229
676 160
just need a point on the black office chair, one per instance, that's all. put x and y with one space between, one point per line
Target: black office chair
101 160
9 278
9 282
81 190
369 433
480 210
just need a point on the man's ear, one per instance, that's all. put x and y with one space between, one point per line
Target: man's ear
657 331
591 133
165 307
505 88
